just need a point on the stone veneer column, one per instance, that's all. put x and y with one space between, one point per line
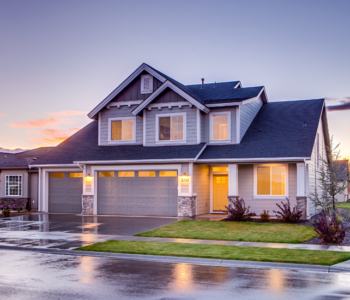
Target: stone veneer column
187 206
88 205
301 205
230 202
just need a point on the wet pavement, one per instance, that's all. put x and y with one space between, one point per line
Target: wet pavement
28 275
64 231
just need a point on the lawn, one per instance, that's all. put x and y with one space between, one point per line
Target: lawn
326 258
234 231
343 205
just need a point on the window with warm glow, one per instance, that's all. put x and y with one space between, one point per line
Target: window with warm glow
122 130
271 180
171 128
76 175
167 173
105 174
220 169
220 126
147 174
126 174
57 175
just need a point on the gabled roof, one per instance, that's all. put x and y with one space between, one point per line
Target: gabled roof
37 152
342 167
6 157
277 131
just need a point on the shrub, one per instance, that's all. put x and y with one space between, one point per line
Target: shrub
330 228
286 214
265 216
6 212
238 212
19 209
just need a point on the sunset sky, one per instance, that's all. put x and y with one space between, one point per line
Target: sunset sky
59 59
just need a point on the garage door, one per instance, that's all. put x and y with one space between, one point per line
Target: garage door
65 192
142 193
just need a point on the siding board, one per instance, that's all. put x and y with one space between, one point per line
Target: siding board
247 115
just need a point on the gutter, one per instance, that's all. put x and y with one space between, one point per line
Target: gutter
144 161
269 159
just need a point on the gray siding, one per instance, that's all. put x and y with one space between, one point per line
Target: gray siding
191 120
201 186
169 95
247 115
133 90
246 190
14 172
114 112
34 177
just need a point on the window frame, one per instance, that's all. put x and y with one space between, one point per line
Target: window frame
211 124
255 183
143 91
110 120
184 123
7 187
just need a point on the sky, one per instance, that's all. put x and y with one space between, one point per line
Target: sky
59 59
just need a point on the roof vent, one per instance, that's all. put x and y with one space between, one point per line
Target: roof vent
214 84
202 83
304 125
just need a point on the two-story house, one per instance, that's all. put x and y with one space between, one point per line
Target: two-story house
156 147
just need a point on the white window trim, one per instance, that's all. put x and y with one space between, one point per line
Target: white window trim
211 115
256 196
110 141
171 115
8 191
143 91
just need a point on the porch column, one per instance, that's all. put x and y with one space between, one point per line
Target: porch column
232 183
301 188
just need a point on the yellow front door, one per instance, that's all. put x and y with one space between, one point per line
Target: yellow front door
220 187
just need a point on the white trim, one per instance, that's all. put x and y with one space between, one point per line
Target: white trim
238 124
198 126
200 152
255 182
224 104
124 84
168 84
99 129
239 84
143 91
144 161
169 105
144 128
211 115
190 173
124 103
39 192
110 120
268 159
301 186
8 185
54 165
184 124
233 180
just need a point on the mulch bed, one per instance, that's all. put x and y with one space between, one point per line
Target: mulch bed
21 213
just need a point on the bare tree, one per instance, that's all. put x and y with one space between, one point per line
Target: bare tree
329 182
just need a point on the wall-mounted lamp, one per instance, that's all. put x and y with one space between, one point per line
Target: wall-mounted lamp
88 177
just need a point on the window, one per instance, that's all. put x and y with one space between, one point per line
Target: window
122 129
146 84
105 174
271 180
76 175
167 173
147 174
220 169
171 127
57 175
126 174
220 126
13 185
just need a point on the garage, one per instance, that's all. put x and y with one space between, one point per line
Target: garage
137 193
65 192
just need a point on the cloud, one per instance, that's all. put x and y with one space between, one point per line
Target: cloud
37 123
52 136
3 115
344 104
67 113
16 150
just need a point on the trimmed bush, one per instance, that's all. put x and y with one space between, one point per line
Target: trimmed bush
238 212
286 214
330 228
265 216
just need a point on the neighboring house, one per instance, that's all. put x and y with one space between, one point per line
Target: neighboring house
156 147
343 176
18 181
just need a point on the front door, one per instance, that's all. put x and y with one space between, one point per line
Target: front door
220 187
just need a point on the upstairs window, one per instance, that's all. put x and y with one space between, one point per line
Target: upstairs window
13 185
146 84
122 129
220 126
171 127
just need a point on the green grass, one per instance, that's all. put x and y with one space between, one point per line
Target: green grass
343 205
326 258
234 231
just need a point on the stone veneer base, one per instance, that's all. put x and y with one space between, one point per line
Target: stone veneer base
88 205
187 206
14 202
301 205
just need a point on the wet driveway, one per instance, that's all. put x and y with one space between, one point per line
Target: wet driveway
28 275
64 231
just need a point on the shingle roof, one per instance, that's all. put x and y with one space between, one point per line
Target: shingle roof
16 163
5 157
83 146
35 152
342 169
277 131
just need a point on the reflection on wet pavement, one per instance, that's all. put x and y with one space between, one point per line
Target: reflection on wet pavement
46 276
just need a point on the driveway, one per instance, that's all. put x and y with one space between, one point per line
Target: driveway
65 231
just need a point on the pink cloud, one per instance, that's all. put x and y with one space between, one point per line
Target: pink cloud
52 136
67 113
37 123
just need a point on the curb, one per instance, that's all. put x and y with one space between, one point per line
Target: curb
188 260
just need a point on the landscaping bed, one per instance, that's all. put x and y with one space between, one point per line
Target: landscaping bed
326 258
234 231
21 213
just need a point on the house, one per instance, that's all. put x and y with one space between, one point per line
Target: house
18 181
342 167
156 147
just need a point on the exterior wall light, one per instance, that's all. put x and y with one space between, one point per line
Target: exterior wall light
185 178
88 177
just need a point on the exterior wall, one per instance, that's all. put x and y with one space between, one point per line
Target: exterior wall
201 188
246 190
191 126
169 96
343 197
24 182
115 112
312 167
206 121
247 115
34 185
